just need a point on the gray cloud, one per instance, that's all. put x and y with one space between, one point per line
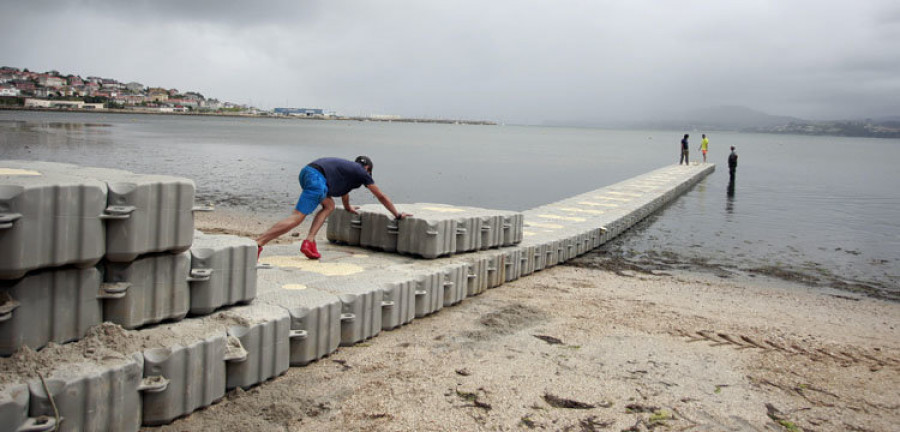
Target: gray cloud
513 61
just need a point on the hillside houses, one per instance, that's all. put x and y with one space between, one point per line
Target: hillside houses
55 90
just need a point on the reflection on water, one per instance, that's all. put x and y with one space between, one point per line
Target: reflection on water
834 217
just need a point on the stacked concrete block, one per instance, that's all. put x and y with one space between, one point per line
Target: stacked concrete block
362 303
379 229
14 410
264 332
455 283
430 292
91 396
49 306
49 219
155 288
434 230
86 237
194 373
223 272
344 227
315 321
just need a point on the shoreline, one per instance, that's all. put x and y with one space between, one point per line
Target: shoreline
241 115
578 347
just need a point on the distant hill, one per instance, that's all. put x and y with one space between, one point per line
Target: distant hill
734 118
743 119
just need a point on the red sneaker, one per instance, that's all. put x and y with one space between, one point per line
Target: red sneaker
258 252
308 248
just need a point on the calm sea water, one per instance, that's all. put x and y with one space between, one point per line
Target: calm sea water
823 206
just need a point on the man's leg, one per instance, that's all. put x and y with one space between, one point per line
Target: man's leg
281 227
319 219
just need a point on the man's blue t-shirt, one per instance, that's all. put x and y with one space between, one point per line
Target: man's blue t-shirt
343 176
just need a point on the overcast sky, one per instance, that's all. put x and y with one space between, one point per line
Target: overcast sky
514 61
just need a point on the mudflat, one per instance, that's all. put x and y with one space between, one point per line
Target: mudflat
579 347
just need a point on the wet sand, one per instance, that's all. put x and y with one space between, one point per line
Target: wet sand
584 347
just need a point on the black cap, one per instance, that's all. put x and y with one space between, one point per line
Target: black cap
365 161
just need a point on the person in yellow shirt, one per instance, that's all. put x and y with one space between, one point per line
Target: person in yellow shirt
704 146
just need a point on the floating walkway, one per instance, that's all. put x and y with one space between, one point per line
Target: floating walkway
198 318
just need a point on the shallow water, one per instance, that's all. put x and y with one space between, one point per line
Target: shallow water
823 206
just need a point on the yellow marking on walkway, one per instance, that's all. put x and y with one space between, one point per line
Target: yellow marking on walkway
596 204
314 266
294 287
18 172
444 209
543 225
578 210
528 233
624 194
603 197
566 218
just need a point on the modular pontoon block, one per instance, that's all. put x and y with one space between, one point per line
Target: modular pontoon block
344 227
92 397
153 213
399 302
14 401
49 306
223 272
362 302
264 332
512 262
455 287
427 236
315 318
433 230
429 293
155 289
48 219
195 374
477 274
379 229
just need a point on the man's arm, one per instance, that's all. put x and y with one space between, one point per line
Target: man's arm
346 200
386 202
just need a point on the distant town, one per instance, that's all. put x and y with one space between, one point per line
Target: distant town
24 89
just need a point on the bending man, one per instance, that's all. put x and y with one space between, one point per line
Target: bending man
321 180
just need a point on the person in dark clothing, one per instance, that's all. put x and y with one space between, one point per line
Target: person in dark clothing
732 166
684 150
321 180
732 163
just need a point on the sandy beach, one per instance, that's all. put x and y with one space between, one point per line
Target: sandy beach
581 347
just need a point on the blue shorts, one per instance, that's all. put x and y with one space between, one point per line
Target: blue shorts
315 189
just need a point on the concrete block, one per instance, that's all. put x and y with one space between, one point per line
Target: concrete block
512 261
150 213
361 306
399 302
315 321
455 285
156 289
429 293
91 396
264 333
14 401
223 272
344 227
379 229
48 219
48 306
195 373
426 235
